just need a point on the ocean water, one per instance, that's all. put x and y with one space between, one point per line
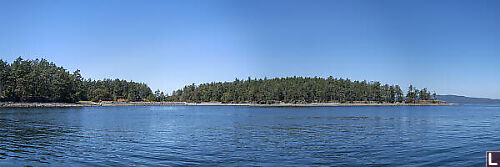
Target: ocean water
249 136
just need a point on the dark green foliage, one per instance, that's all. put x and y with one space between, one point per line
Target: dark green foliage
43 81
110 90
414 95
296 90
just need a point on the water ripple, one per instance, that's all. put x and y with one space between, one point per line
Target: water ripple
248 136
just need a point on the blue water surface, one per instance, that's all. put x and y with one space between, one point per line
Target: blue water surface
249 136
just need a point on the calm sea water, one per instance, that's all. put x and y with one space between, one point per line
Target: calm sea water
249 136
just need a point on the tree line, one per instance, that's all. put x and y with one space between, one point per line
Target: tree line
298 90
43 81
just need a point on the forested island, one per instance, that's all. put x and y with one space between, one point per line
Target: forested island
43 81
300 90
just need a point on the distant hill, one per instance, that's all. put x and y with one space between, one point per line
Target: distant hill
467 100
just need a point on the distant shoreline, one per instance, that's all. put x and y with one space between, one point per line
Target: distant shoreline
39 105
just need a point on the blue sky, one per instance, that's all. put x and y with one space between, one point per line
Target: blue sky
451 47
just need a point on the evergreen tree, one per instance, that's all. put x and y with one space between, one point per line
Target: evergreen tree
293 90
43 81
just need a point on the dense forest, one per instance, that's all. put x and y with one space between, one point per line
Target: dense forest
299 90
43 81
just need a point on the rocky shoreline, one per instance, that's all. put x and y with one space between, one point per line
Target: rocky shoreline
38 104
34 105
320 104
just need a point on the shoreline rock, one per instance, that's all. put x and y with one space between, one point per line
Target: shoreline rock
318 104
37 104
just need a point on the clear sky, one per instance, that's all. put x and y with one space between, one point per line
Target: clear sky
452 47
